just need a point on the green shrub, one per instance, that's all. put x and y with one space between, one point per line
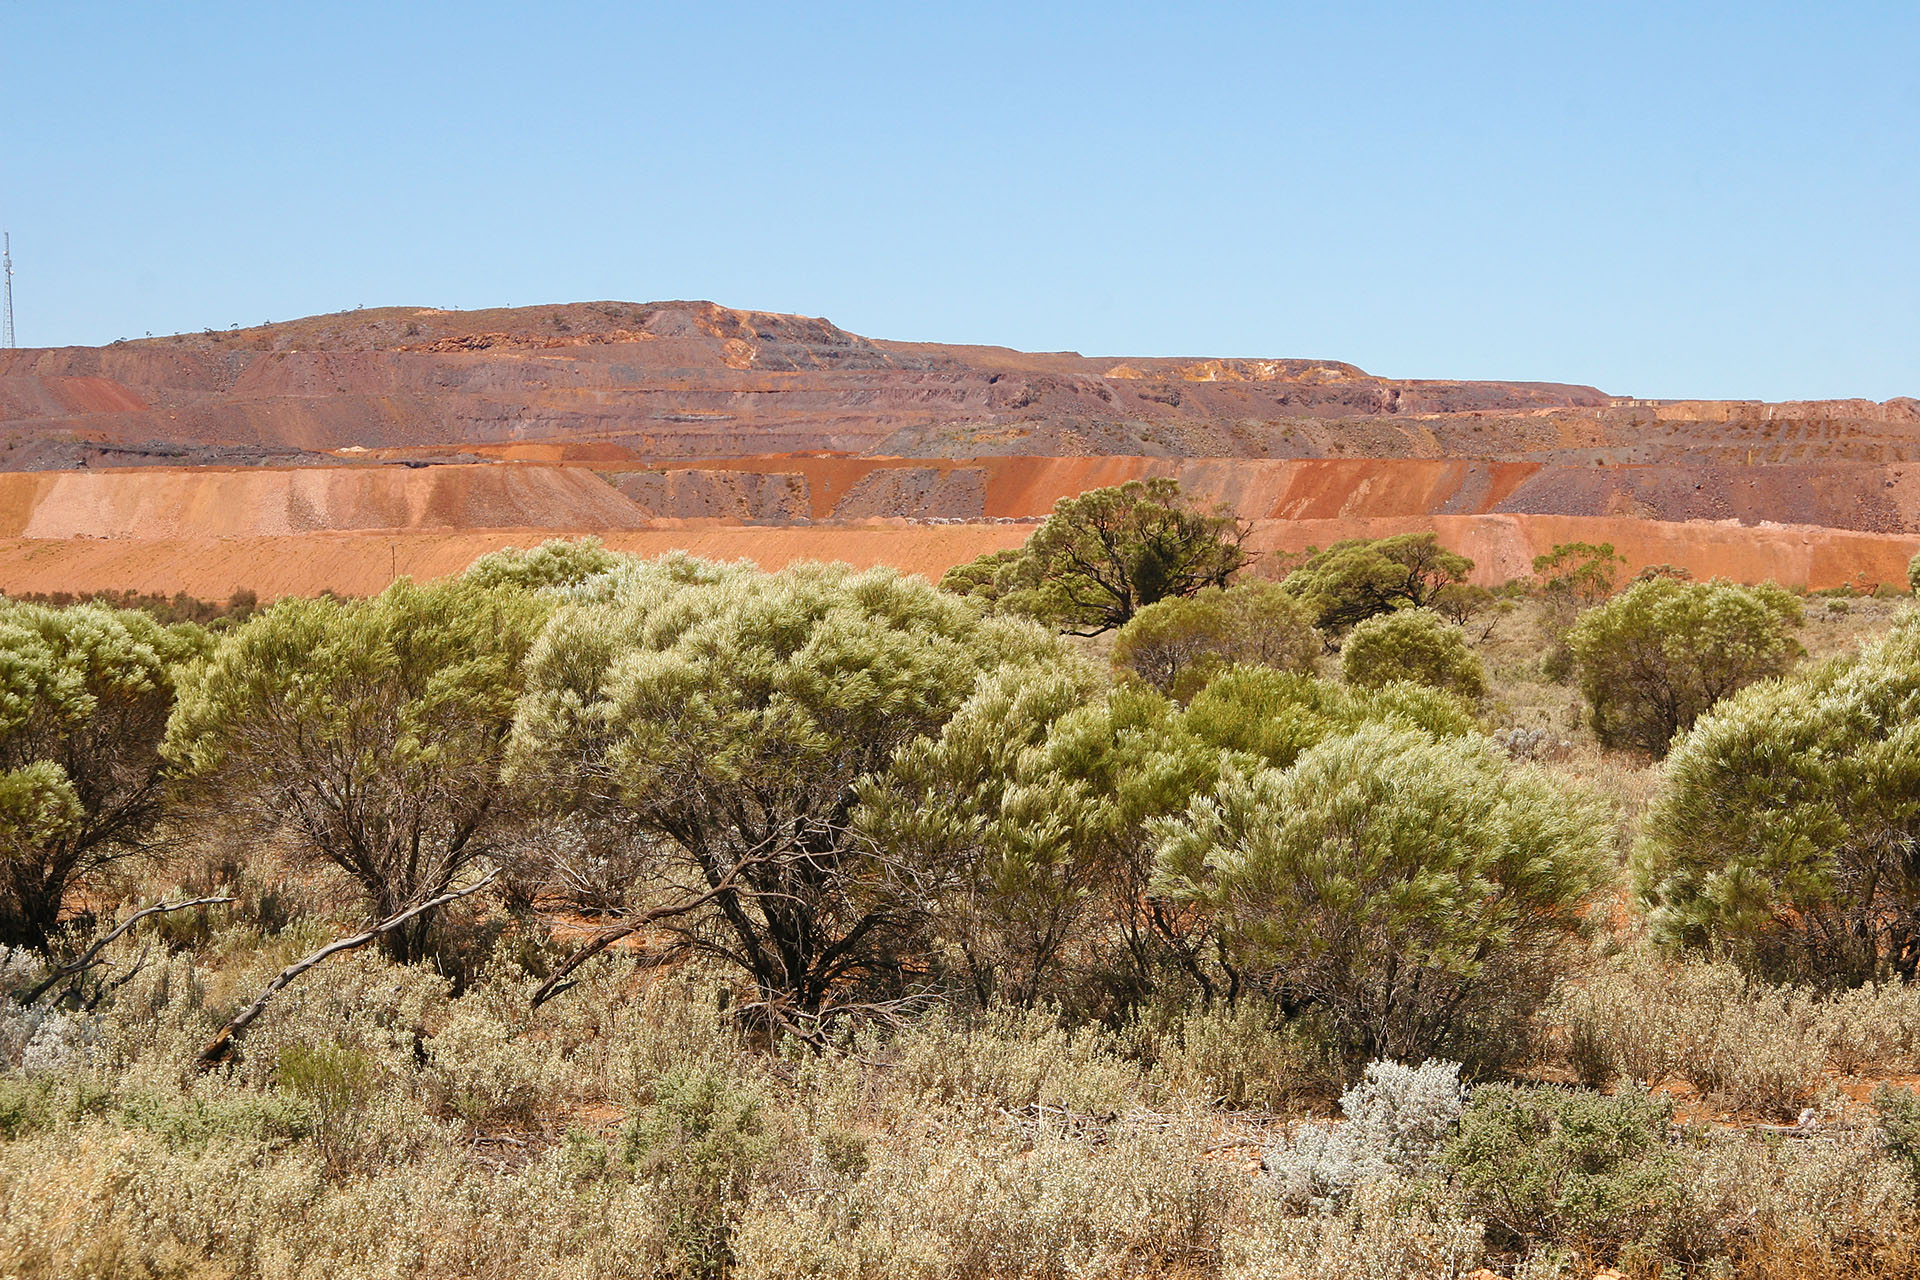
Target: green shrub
1545 1163
1417 892
557 562
697 1144
1174 643
1782 835
1415 645
1898 1112
1653 659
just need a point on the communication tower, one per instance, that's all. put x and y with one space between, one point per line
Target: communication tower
6 269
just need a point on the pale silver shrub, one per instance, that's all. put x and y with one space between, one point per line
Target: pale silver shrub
1812 1198
479 1069
1396 1118
60 1042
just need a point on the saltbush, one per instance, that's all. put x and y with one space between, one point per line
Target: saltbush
1546 1163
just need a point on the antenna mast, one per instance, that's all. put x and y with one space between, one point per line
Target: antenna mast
6 269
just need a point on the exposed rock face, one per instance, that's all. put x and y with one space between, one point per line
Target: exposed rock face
444 429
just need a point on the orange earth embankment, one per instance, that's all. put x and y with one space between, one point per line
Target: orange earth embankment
359 563
166 502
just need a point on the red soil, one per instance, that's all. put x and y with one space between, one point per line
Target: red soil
359 563
217 502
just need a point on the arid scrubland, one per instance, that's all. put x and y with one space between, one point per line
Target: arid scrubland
836 926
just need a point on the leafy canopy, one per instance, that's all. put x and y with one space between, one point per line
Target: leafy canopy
1415 891
718 722
1354 580
84 696
1103 556
557 562
1176 644
1786 831
1581 572
371 733
1656 656
1416 645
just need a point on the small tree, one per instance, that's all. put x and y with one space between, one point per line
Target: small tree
1913 575
370 733
1582 573
725 723
1416 645
1354 580
1108 553
84 698
1787 829
1179 641
1415 891
1656 656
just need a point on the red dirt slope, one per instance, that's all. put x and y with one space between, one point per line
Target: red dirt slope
211 502
360 563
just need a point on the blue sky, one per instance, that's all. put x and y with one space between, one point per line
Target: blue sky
1668 199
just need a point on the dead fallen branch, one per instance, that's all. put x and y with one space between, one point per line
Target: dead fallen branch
221 1047
91 956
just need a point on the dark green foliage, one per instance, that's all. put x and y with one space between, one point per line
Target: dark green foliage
1545 1163
1103 556
1354 580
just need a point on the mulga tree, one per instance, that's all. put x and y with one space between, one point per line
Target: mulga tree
85 693
1354 580
370 734
720 726
1036 799
555 563
1106 554
1412 644
1175 644
1032 800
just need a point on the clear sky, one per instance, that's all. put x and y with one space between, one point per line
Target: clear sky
1661 199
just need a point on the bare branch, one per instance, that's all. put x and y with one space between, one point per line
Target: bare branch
605 938
91 956
221 1047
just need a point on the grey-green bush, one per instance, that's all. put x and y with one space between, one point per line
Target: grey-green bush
1412 644
1654 658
